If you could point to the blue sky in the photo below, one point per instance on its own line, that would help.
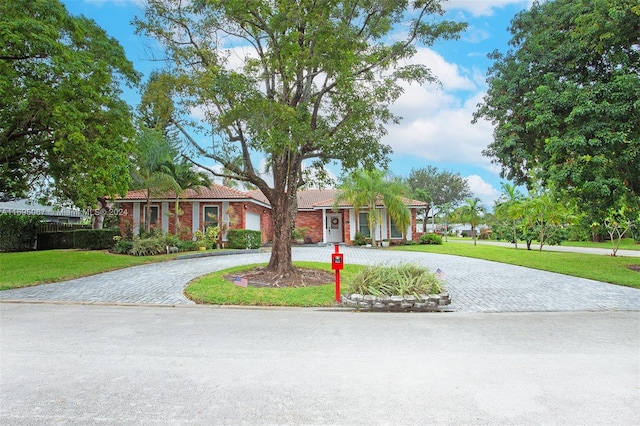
(436, 128)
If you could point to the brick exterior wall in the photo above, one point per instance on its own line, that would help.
(309, 219)
(313, 221)
(126, 218)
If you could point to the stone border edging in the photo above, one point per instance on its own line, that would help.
(431, 302)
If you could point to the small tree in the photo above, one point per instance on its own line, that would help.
(368, 189)
(510, 206)
(472, 212)
(183, 177)
(617, 223)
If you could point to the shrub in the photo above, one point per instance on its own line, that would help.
(410, 242)
(485, 234)
(122, 247)
(187, 245)
(359, 240)
(244, 239)
(94, 239)
(55, 240)
(148, 246)
(211, 236)
(430, 239)
(18, 232)
(403, 280)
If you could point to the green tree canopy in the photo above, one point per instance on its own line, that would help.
(437, 188)
(368, 189)
(472, 212)
(61, 117)
(564, 100)
(292, 80)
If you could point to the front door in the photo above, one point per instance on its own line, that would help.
(333, 226)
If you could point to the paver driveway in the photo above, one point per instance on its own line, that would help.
(475, 285)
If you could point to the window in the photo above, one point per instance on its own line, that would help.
(210, 216)
(395, 231)
(363, 225)
(155, 213)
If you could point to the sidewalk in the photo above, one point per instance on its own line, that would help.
(570, 249)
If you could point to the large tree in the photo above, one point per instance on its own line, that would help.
(437, 188)
(290, 80)
(564, 100)
(62, 122)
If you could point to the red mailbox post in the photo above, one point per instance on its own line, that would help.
(337, 264)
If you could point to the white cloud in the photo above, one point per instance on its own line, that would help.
(437, 124)
(481, 7)
(483, 190)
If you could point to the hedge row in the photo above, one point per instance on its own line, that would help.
(244, 239)
(18, 232)
(94, 239)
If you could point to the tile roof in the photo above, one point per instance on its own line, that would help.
(308, 199)
(212, 192)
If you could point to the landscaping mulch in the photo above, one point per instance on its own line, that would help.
(302, 277)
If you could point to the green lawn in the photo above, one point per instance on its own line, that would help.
(36, 267)
(596, 267)
(214, 289)
(625, 244)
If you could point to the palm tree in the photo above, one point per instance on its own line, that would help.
(183, 177)
(366, 188)
(153, 151)
(472, 213)
(510, 206)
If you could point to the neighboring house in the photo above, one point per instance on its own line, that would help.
(220, 205)
(51, 214)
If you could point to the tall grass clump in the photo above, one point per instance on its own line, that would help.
(402, 280)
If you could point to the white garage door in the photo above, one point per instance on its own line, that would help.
(253, 221)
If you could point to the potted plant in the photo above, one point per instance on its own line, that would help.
(298, 234)
(199, 239)
(386, 242)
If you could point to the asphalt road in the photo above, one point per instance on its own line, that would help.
(98, 364)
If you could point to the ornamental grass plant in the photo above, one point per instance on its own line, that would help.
(403, 280)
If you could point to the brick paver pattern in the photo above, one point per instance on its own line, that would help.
(475, 285)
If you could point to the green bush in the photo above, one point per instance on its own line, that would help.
(94, 239)
(430, 239)
(244, 239)
(148, 246)
(18, 232)
(410, 243)
(187, 245)
(359, 240)
(55, 240)
(403, 280)
(122, 247)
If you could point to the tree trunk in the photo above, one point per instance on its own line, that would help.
(515, 234)
(424, 220)
(473, 233)
(97, 219)
(283, 221)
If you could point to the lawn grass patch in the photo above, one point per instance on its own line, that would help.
(597, 267)
(625, 244)
(214, 289)
(25, 269)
